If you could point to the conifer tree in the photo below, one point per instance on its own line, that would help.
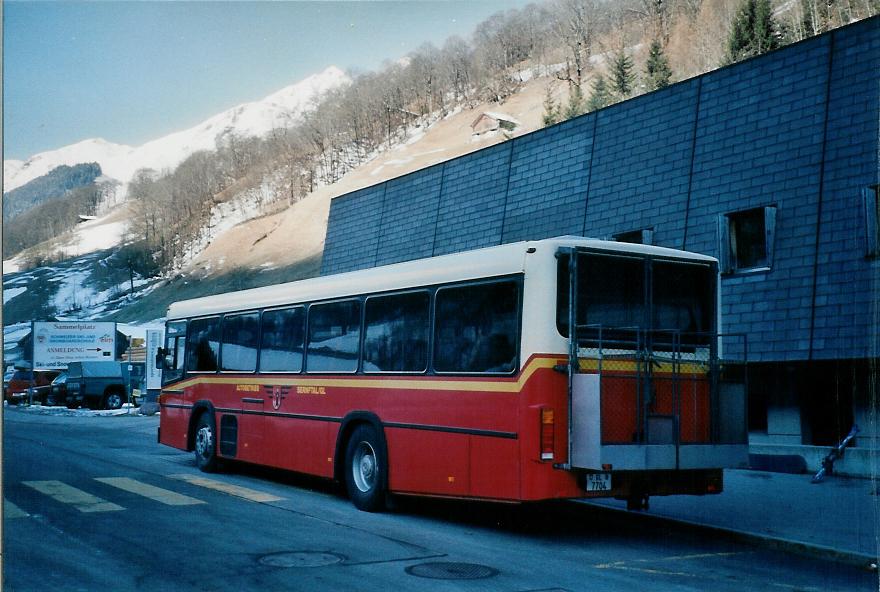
(739, 42)
(576, 104)
(622, 77)
(753, 31)
(657, 70)
(551, 108)
(601, 95)
(765, 28)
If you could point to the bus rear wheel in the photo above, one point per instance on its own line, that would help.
(365, 469)
(206, 443)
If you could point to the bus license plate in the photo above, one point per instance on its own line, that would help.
(598, 481)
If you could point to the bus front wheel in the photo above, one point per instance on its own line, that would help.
(206, 443)
(365, 469)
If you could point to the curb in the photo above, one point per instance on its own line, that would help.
(852, 558)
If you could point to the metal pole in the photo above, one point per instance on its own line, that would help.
(573, 361)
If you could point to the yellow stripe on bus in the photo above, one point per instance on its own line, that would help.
(164, 496)
(235, 490)
(497, 385)
(630, 365)
(82, 501)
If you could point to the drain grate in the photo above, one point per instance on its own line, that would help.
(301, 559)
(446, 570)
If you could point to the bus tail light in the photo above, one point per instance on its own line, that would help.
(547, 433)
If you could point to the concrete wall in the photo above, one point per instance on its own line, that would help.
(798, 129)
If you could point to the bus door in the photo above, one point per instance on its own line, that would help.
(251, 424)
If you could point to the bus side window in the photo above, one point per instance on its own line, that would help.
(476, 328)
(203, 345)
(281, 345)
(241, 333)
(396, 333)
(334, 336)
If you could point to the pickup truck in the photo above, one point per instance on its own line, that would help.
(100, 385)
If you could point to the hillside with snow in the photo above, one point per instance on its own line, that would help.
(120, 162)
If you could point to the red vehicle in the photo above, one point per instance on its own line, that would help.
(22, 380)
(459, 376)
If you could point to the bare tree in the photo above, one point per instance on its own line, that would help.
(576, 24)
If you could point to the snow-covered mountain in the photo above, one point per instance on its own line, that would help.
(120, 162)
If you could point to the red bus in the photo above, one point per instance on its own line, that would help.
(558, 368)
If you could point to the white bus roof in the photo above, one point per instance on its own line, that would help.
(487, 262)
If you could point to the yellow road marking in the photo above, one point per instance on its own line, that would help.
(82, 501)
(237, 491)
(158, 494)
(631, 565)
(10, 510)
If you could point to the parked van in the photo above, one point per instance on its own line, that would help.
(99, 385)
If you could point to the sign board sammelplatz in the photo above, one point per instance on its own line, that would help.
(57, 343)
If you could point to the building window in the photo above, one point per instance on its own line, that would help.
(746, 239)
(644, 236)
(871, 202)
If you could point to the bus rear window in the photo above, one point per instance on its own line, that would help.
(476, 328)
(615, 292)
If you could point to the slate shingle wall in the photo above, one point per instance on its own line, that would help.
(798, 129)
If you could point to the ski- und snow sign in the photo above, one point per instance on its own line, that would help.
(57, 343)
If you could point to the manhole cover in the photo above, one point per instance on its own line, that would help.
(442, 570)
(301, 559)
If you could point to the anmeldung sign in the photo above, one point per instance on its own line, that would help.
(57, 343)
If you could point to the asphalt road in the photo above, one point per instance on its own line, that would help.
(93, 503)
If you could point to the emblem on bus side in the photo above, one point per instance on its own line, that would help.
(278, 394)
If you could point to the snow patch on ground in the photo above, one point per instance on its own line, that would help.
(538, 72)
(96, 235)
(126, 409)
(12, 265)
(10, 293)
(242, 207)
(12, 334)
(415, 138)
(73, 294)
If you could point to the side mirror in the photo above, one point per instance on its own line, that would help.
(160, 358)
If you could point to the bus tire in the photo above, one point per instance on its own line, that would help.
(366, 468)
(205, 443)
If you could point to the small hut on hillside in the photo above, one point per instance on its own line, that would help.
(490, 121)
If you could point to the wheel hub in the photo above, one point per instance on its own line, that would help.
(204, 440)
(364, 467)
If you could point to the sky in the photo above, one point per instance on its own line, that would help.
(130, 72)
